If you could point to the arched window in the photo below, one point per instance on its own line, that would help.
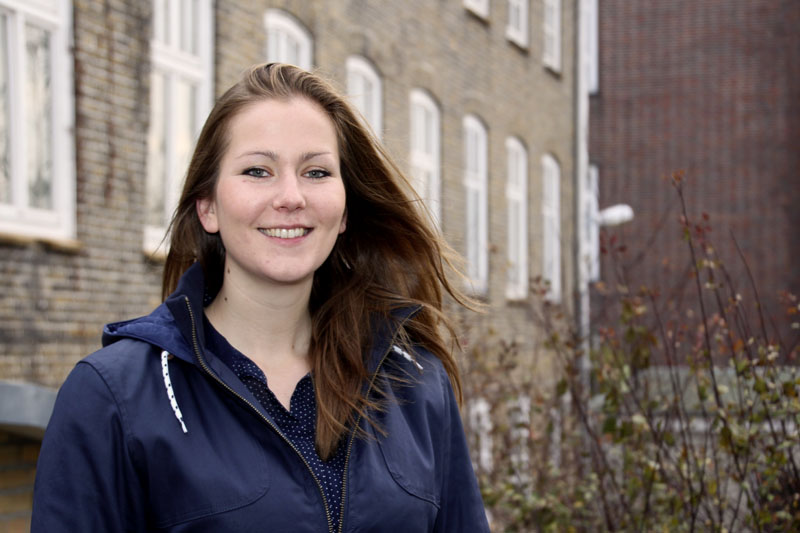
(517, 28)
(551, 226)
(181, 95)
(476, 185)
(425, 156)
(517, 201)
(288, 41)
(366, 91)
(552, 34)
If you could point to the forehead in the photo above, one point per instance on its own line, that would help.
(288, 116)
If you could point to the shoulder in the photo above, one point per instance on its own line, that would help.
(122, 360)
(126, 373)
(419, 379)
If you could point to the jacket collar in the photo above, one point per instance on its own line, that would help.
(177, 325)
(170, 326)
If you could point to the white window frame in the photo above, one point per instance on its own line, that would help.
(476, 185)
(517, 208)
(365, 88)
(17, 217)
(479, 7)
(177, 65)
(552, 35)
(551, 226)
(425, 124)
(517, 29)
(284, 31)
(480, 423)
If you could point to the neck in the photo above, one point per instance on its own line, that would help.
(271, 325)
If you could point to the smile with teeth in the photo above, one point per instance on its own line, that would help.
(283, 233)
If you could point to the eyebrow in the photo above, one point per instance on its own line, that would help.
(269, 154)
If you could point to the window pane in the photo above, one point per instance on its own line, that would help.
(473, 230)
(186, 94)
(5, 119)
(39, 118)
(429, 132)
(160, 21)
(189, 26)
(156, 151)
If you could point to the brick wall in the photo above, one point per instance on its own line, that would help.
(17, 470)
(712, 88)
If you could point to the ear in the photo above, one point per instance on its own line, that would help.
(206, 212)
(343, 223)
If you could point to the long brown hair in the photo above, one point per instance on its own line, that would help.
(388, 258)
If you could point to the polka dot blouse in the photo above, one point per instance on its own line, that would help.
(298, 423)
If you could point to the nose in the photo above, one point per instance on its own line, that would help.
(288, 194)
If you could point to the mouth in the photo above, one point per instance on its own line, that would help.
(285, 233)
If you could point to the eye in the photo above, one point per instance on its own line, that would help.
(256, 172)
(317, 173)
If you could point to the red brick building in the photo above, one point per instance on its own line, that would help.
(712, 88)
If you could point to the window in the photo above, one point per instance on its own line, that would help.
(517, 199)
(591, 232)
(480, 423)
(520, 420)
(37, 164)
(365, 90)
(551, 226)
(180, 98)
(426, 151)
(479, 7)
(552, 34)
(287, 40)
(476, 183)
(517, 29)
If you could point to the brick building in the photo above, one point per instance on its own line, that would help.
(100, 102)
(712, 88)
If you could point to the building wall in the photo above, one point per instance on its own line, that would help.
(56, 295)
(711, 88)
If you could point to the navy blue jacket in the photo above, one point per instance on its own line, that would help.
(115, 457)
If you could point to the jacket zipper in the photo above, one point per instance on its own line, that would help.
(265, 419)
(353, 431)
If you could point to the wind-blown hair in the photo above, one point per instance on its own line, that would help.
(389, 257)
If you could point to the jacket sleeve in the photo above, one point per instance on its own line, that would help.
(85, 479)
(462, 507)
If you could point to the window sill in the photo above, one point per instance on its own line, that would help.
(56, 244)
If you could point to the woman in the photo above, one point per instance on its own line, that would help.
(295, 378)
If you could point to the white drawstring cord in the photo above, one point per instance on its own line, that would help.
(168, 383)
(407, 355)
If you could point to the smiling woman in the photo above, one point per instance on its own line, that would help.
(296, 375)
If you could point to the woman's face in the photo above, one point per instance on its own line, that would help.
(279, 202)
